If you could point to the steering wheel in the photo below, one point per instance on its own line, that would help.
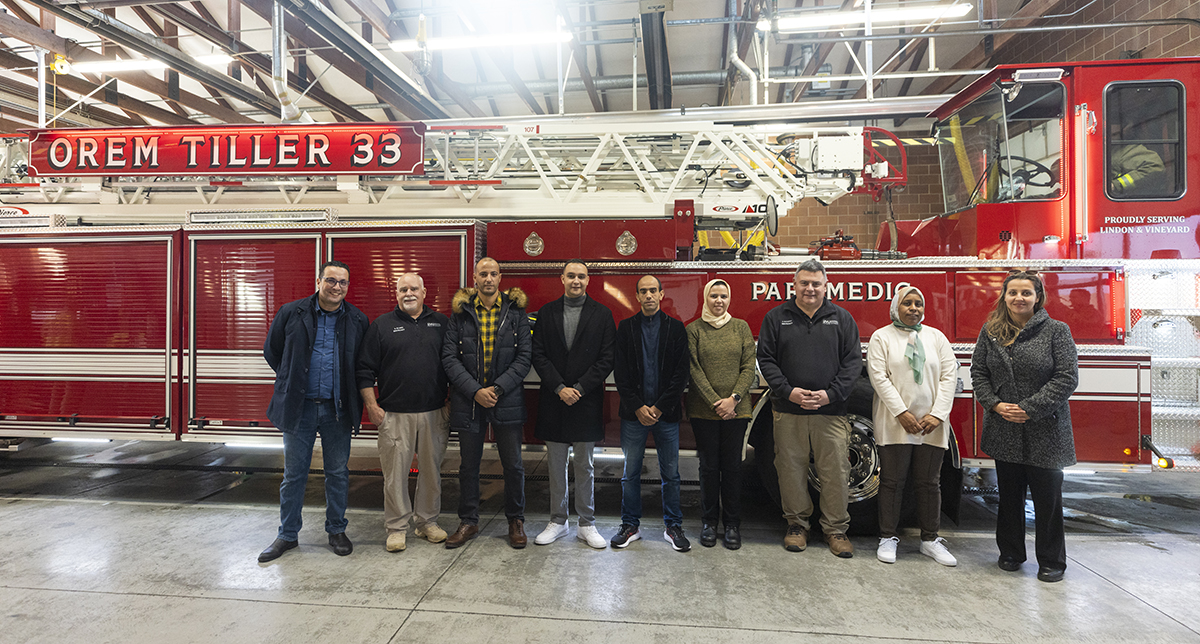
(1035, 170)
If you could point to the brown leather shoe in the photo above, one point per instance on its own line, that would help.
(796, 538)
(516, 533)
(463, 534)
(840, 545)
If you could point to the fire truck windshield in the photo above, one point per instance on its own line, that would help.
(1004, 146)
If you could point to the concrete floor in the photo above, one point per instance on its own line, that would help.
(100, 548)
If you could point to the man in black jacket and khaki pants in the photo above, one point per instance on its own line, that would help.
(809, 354)
(402, 352)
(573, 354)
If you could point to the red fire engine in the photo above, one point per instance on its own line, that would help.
(136, 302)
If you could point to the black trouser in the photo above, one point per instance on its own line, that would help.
(924, 464)
(1045, 488)
(720, 445)
(508, 443)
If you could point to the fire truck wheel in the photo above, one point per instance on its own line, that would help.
(864, 470)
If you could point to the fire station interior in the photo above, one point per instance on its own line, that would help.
(934, 143)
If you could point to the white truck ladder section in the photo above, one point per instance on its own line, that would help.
(499, 172)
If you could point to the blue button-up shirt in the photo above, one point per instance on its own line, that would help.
(650, 326)
(323, 366)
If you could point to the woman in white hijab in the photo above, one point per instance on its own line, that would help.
(718, 405)
(914, 373)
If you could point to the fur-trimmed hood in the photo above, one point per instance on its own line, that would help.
(464, 295)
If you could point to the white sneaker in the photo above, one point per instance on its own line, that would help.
(937, 550)
(553, 532)
(589, 534)
(887, 550)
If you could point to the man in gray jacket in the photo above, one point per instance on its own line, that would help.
(809, 354)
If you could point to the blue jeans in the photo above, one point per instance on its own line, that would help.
(633, 444)
(318, 418)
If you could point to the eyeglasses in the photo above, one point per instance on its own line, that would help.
(1026, 271)
(336, 282)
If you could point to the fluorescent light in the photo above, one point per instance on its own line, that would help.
(215, 60)
(71, 439)
(258, 445)
(607, 457)
(1034, 75)
(492, 40)
(839, 18)
(136, 64)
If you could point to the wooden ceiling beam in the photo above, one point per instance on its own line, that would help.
(82, 87)
(255, 62)
(25, 32)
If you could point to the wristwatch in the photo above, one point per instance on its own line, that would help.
(737, 398)
(499, 391)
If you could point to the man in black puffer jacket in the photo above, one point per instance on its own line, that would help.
(487, 353)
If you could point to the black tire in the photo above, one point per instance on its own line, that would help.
(864, 511)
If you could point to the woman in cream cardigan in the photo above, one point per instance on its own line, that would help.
(914, 373)
(718, 405)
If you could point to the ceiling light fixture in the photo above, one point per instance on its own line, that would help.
(131, 65)
(879, 17)
(480, 41)
(215, 60)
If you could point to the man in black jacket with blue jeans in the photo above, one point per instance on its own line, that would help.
(810, 356)
(312, 346)
(652, 367)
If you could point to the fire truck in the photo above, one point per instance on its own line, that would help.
(141, 267)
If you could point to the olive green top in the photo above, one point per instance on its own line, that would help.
(722, 364)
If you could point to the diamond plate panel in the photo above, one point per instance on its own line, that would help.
(1177, 436)
(1173, 336)
(1163, 289)
(1174, 386)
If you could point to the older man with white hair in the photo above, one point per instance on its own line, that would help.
(402, 352)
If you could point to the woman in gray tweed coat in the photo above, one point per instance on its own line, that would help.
(1024, 369)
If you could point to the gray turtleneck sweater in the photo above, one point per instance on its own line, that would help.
(573, 306)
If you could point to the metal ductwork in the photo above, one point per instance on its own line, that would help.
(339, 34)
(738, 62)
(288, 111)
(108, 27)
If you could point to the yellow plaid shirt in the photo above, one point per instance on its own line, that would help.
(488, 321)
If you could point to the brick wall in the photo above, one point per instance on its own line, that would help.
(859, 215)
(1108, 44)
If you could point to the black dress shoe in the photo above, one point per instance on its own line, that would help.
(276, 550)
(341, 544)
(708, 535)
(1050, 575)
(733, 537)
(1009, 563)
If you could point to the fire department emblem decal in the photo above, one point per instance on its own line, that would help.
(534, 245)
(626, 244)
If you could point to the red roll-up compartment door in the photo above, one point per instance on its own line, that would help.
(239, 280)
(86, 334)
(443, 257)
(237, 283)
